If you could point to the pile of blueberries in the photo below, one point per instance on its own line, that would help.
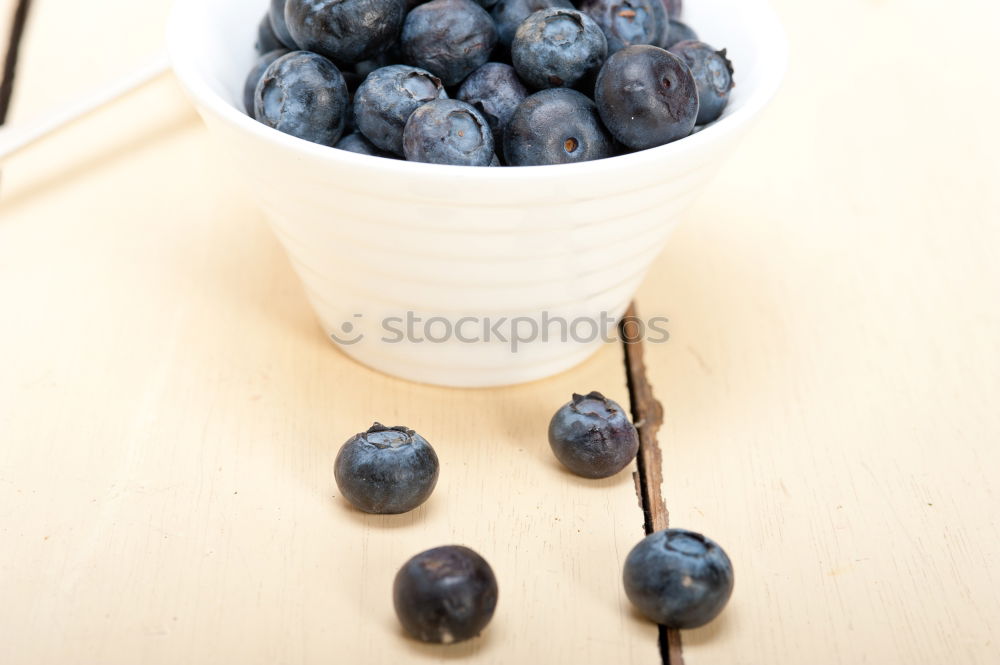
(675, 577)
(485, 82)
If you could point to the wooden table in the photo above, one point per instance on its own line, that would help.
(169, 412)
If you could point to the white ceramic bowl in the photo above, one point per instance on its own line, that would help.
(373, 238)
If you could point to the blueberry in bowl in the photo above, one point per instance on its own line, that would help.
(557, 47)
(495, 91)
(386, 99)
(647, 97)
(448, 131)
(628, 22)
(713, 74)
(345, 31)
(305, 95)
(508, 15)
(449, 38)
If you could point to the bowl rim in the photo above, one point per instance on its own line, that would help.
(770, 41)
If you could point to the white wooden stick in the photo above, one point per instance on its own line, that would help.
(17, 137)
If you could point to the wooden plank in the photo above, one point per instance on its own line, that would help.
(830, 387)
(170, 414)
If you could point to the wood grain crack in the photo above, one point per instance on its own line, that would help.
(647, 414)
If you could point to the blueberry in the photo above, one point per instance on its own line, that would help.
(557, 47)
(445, 595)
(592, 436)
(678, 578)
(713, 74)
(267, 41)
(556, 126)
(679, 32)
(628, 22)
(385, 100)
(277, 15)
(495, 91)
(674, 8)
(303, 94)
(253, 78)
(356, 142)
(449, 38)
(345, 30)
(495, 161)
(386, 470)
(646, 97)
(448, 131)
(508, 14)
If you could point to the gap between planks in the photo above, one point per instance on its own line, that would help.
(647, 414)
(10, 58)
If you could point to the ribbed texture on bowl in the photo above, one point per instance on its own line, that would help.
(374, 238)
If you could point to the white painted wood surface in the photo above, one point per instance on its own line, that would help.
(832, 383)
(170, 413)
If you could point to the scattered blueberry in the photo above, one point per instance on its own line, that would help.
(556, 126)
(445, 595)
(449, 38)
(495, 91)
(713, 74)
(345, 30)
(448, 131)
(679, 32)
(678, 578)
(628, 22)
(592, 436)
(267, 41)
(277, 15)
(253, 78)
(385, 100)
(303, 94)
(557, 47)
(508, 14)
(647, 97)
(386, 470)
(356, 142)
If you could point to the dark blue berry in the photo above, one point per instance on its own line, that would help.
(356, 142)
(267, 41)
(303, 94)
(593, 437)
(713, 74)
(674, 8)
(345, 30)
(448, 131)
(679, 32)
(556, 126)
(385, 100)
(253, 78)
(445, 595)
(495, 91)
(508, 14)
(628, 22)
(557, 47)
(449, 38)
(386, 470)
(678, 578)
(647, 97)
(277, 15)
